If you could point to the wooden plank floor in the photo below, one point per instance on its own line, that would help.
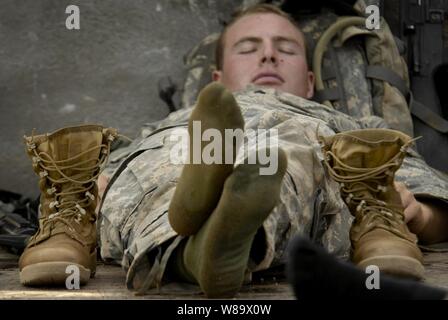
(109, 284)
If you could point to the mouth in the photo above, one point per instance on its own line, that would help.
(266, 78)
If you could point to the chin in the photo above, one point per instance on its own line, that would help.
(281, 88)
(273, 86)
(291, 91)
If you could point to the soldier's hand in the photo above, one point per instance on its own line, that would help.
(428, 219)
(413, 209)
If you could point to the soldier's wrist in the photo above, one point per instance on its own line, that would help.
(431, 231)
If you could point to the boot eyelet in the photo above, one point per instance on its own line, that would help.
(51, 191)
(361, 206)
(349, 198)
(31, 146)
(90, 196)
(43, 174)
(53, 204)
(81, 210)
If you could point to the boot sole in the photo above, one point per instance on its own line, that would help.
(404, 267)
(52, 274)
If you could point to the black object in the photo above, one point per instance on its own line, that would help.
(167, 90)
(315, 274)
(18, 220)
(423, 26)
(340, 7)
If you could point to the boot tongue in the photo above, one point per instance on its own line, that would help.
(360, 154)
(367, 149)
(68, 144)
(74, 148)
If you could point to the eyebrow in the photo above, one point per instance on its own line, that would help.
(258, 40)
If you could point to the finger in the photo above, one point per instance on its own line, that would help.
(401, 189)
(411, 211)
(399, 185)
(407, 197)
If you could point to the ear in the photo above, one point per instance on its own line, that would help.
(217, 75)
(310, 90)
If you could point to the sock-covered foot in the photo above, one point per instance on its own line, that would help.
(218, 254)
(315, 274)
(200, 185)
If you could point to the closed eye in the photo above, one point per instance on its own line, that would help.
(247, 51)
(247, 45)
(287, 51)
(287, 47)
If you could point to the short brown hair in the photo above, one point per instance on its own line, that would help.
(259, 8)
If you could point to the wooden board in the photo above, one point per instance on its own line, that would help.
(109, 284)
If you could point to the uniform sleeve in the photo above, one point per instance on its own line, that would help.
(422, 180)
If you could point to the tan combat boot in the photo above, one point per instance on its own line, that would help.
(68, 162)
(365, 162)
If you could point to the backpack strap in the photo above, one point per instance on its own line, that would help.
(390, 82)
(419, 110)
(385, 74)
(428, 116)
(334, 94)
(329, 94)
(321, 48)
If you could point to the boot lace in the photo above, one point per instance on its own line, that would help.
(355, 181)
(71, 203)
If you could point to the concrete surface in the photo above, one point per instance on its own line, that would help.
(106, 72)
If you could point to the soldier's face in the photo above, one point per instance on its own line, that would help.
(267, 50)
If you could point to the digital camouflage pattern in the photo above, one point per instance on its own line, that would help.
(200, 65)
(344, 65)
(134, 226)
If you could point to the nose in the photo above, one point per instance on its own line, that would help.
(269, 55)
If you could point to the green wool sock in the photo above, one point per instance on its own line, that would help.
(218, 254)
(200, 185)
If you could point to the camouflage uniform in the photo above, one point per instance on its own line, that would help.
(134, 226)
